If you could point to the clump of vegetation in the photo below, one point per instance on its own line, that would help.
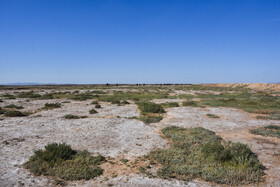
(270, 130)
(124, 160)
(1, 101)
(191, 103)
(60, 160)
(49, 106)
(148, 107)
(94, 102)
(83, 96)
(98, 106)
(70, 116)
(47, 96)
(2, 111)
(29, 94)
(212, 116)
(150, 112)
(200, 153)
(150, 118)
(170, 105)
(14, 106)
(259, 103)
(9, 96)
(125, 102)
(15, 113)
(92, 111)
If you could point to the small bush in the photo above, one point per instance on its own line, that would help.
(190, 103)
(92, 111)
(61, 161)
(98, 106)
(51, 106)
(270, 130)
(14, 113)
(2, 111)
(1, 101)
(94, 102)
(125, 102)
(47, 96)
(14, 106)
(212, 116)
(148, 107)
(70, 116)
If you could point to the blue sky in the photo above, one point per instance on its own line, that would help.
(139, 41)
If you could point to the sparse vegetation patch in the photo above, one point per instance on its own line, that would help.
(15, 113)
(200, 153)
(14, 106)
(92, 111)
(60, 160)
(49, 106)
(270, 130)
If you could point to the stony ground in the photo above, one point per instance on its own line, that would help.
(112, 133)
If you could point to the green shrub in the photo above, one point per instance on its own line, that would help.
(148, 107)
(212, 116)
(14, 113)
(2, 111)
(270, 130)
(200, 153)
(125, 102)
(92, 111)
(98, 106)
(51, 106)
(190, 103)
(94, 102)
(14, 106)
(61, 161)
(70, 116)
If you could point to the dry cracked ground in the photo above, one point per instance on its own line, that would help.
(113, 132)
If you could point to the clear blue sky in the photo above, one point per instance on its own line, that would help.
(139, 41)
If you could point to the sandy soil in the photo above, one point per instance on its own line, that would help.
(111, 133)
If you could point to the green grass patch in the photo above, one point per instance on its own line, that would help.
(9, 96)
(60, 160)
(212, 116)
(200, 153)
(124, 161)
(150, 118)
(94, 102)
(270, 130)
(13, 106)
(49, 106)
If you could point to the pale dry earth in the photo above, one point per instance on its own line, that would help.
(110, 132)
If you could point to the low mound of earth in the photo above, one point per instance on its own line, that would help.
(253, 86)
